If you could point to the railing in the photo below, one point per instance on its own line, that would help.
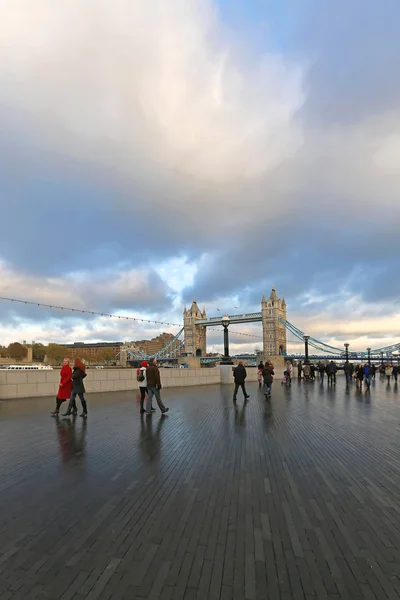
(249, 317)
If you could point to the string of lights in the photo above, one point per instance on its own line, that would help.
(89, 312)
(111, 316)
(233, 332)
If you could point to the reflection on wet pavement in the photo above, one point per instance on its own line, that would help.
(294, 498)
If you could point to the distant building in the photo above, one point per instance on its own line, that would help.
(90, 351)
(151, 347)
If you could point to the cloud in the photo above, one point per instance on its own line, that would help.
(129, 291)
(139, 138)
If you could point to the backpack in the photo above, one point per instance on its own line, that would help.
(140, 375)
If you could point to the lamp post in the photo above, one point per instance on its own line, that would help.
(347, 351)
(369, 356)
(382, 358)
(306, 338)
(225, 324)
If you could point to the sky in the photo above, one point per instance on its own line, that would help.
(156, 152)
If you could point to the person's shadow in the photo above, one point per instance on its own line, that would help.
(150, 436)
(240, 420)
(72, 440)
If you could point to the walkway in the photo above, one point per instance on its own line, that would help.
(299, 499)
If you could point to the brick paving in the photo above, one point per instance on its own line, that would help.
(296, 499)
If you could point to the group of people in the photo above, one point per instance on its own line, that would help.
(366, 373)
(71, 386)
(361, 373)
(265, 375)
(148, 376)
(308, 371)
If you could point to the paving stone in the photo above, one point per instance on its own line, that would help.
(298, 498)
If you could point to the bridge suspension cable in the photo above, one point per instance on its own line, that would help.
(174, 346)
(331, 349)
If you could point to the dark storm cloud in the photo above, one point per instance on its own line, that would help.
(274, 187)
(309, 252)
(354, 48)
(61, 215)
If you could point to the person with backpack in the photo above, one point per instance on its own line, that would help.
(268, 376)
(142, 379)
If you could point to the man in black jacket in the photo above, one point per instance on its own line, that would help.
(154, 387)
(239, 375)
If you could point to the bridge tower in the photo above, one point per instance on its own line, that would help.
(274, 332)
(195, 337)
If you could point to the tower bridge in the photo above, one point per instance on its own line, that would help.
(272, 316)
(274, 334)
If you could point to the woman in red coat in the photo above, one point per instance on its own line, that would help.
(65, 388)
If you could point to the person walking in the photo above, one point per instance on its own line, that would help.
(78, 389)
(65, 387)
(367, 375)
(141, 377)
(259, 373)
(359, 376)
(239, 376)
(299, 369)
(268, 376)
(321, 369)
(331, 370)
(153, 387)
(289, 370)
(388, 372)
(373, 371)
(395, 372)
(347, 371)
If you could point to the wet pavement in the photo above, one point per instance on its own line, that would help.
(294, 499)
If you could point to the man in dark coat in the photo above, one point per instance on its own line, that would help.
(154, 387)
(299, 369)
(331, 370)
(239, 375)
(268, 376)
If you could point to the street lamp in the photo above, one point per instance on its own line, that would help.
(347, 351)
(369, 356)
(225, 324)
(306, 338)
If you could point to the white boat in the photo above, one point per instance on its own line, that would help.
(27, 368)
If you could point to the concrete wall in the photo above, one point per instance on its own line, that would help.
(30, 384)
(33, 384)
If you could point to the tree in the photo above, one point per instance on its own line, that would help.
(55, 353)
(105, 355)
(38, 352)
(17, 351)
